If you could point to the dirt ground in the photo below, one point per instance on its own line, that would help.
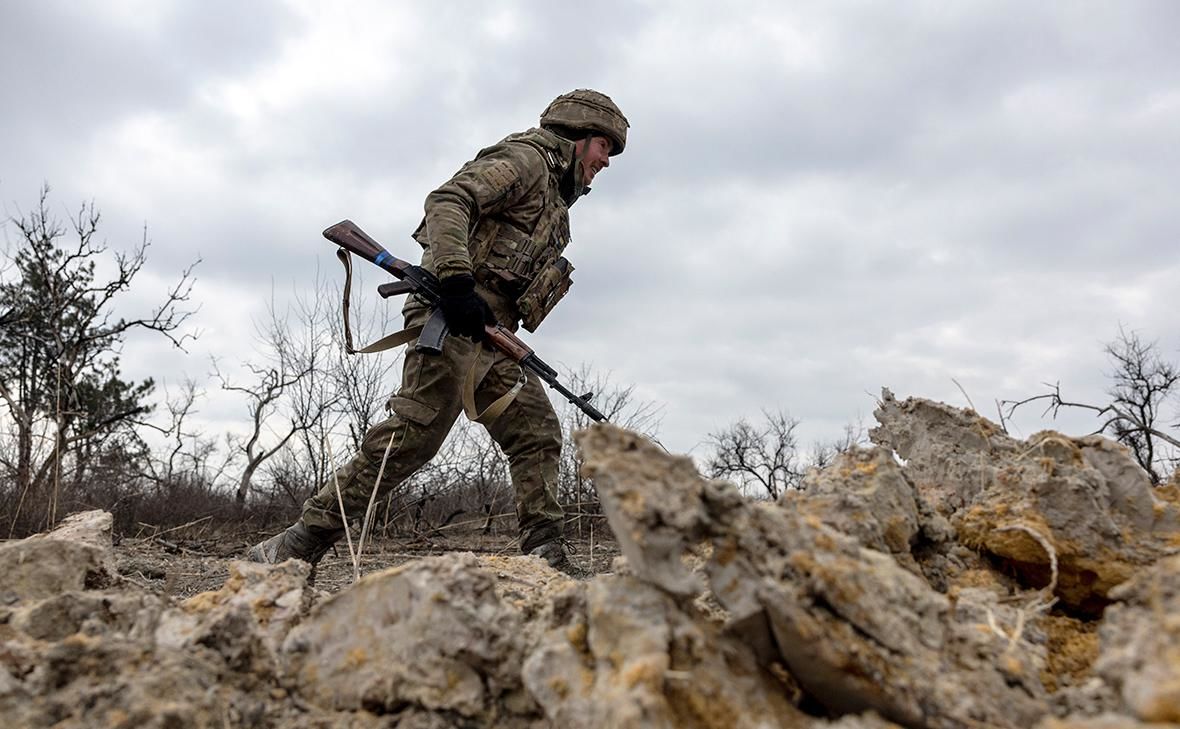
(188, 562)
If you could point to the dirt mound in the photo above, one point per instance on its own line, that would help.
(949, 577)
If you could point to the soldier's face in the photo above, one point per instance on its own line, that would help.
(597, 156)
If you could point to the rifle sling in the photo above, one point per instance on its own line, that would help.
(409, 334)
(497, 408)
(389, 341)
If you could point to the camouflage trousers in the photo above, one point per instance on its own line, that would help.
(422, 414)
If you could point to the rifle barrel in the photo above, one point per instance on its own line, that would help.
(577, 400)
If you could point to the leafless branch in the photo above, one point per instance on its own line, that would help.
(765, 455)
(1142, 382)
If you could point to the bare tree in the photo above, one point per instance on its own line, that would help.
(262, 402)
(282, 399)
(182, 453)
(59, 353)
(824, 452)
(316, 399)
(764, 457)
(1142, 383)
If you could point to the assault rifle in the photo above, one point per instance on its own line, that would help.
(417, 280)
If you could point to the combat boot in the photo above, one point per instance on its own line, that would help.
(546, 541)
(296, 541)
(556, 555)
(553, 553)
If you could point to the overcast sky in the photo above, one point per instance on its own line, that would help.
(817, 199)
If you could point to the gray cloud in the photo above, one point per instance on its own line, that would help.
(72, 68)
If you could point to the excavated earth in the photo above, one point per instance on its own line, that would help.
(947, 577)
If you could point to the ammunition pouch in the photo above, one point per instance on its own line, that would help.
(526, 269)
(546, 289)
(508, 258)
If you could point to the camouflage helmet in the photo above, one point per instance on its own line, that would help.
(588, 110)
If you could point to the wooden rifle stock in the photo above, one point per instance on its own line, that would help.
(351, 238)
(504, 340)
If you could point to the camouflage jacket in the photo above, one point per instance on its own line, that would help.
(503, 219)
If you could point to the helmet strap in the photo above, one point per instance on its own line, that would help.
(579, 187)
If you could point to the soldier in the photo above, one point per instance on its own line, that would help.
(493, 234)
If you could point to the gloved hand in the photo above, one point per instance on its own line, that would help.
(465, 311)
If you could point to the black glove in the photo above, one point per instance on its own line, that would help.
(465, 311)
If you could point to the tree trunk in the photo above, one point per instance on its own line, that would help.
(244, 484)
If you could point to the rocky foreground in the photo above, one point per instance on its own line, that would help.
(987, 582)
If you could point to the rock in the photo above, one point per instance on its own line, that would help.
(246, 620)
(91, 613)
(856, 630)
(85, 681)
(654, 529)
(269, 599)
(75, 556)
(864, 721)
(859, 632)
(91, 658)
(625, 654)
(948, 451)
(1082, 506)
(85, 527)
(1140, 643)
(1106, 721)
(865, 494)
(529, 587)
(431, 633)
(1093, 698)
